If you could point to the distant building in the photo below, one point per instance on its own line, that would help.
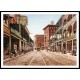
(39, 41)
(48, 31)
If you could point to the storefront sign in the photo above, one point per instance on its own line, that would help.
(23, 20)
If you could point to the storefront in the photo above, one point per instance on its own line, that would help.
(6, 46)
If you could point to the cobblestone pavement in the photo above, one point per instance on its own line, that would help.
(42, 58)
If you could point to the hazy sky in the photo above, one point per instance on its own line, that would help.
(36, 22)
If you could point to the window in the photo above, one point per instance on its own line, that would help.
(69, 17)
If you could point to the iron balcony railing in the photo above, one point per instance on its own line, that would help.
(70, 37)
(69, 22)
(15, 32)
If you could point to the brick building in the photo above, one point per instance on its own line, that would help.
(48, 31)
(39, 41)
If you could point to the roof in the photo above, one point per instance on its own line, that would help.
(49, 26)
(38, 35)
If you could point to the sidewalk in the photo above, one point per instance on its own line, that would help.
(12, 58)
(68, 56)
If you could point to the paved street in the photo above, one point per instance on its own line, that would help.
(42, 58)
(20, 37)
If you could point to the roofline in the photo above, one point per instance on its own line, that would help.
(39, 35)
(48, 26)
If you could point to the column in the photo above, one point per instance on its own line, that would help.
(66, 46)
(19, 39)
(10, 46)
(72, 45)
(72, 35)
(72, 29)
(19, 46)
(61, 46)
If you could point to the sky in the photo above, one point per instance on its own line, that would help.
(36, 22)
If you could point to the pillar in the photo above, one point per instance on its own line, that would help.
(19, 46)
(20, 39)
(10, 46)
(62, 46)
(66, 46)
(72, 45)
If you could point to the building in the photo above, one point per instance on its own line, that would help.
(39, 41)
(6, 36)
(48, 31)
(16, 35)
(65, 35)
(55, 38)
(69, 32)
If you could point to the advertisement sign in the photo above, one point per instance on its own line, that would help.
(23, 20)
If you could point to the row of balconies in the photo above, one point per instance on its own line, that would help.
(69, 36)
(65, 36)
(15, 32)
(69, 22)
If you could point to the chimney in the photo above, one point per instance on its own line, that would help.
(52, 22)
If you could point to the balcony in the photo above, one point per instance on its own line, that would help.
(7, 30)
(69, 22)
(15, 32)
(69, 36)
(58, 36)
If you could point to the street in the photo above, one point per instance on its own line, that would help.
(42, 58)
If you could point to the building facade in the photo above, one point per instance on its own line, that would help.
(65, 35)
(48, 31)
(39, 41)
(16, 35)
(6, 35)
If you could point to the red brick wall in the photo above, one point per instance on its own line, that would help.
(47, 33)
(39, 41)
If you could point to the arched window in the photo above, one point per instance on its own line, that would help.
(64, 22)
(69, 28)
(74, 27)
(69, 17)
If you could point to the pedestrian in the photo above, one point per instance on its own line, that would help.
(74, 51)
(64, 51)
